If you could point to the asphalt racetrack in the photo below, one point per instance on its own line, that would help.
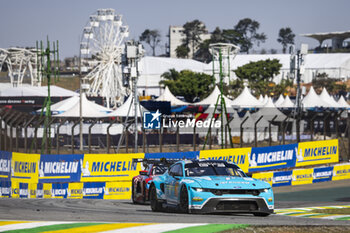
(322, 194)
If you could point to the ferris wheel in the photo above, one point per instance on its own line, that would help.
(20, 63)
(101, 49)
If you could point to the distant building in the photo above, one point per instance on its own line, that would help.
(176, 37)
(337, 38)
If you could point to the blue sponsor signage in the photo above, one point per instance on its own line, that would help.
(40, 190)
(173, 155)
(283, 178)
(321, 174)
(5, 165)
(94, 190)
(272, 157)
(23, 190)
(59, 190)
(5, 188)
(60, 168)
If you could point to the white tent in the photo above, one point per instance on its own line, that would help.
(263, 127)
(212, 98)
(55, 91)
(279, 100)
(246, 100)
(124, 108)
(287, 103)
(343, 103)
(261, 98)
(328, 99)
(89, 110)
(211, 108)
(248, 128)
(312, 100)
(266, 98)
(269, 111)
(63, 105)
(168, 96)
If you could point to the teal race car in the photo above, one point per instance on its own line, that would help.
(210, 186)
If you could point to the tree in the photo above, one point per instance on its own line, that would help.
(192, 31)
(188, 83)
(182, 51)
(263, 70)
(203, 54)
(152, 38)
(259, 75)
(246, 32)
(285, 37)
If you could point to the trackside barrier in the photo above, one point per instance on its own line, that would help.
(305, 176)
(109, 175)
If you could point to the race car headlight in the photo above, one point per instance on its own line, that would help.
(265, 190)
(198, 189)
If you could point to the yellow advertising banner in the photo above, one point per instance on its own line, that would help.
(32, 190)
(75, 190)
(239, 156)
(302, 176)
(109, 167)
(264, 176)
(47, 187)
(341, 172)
(15, 189)
(317, 152)
(24, 167)
(117, 190)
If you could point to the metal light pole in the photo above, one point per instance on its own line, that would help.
(300, 61)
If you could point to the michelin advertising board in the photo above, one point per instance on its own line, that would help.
(5, 165)
(60, 168)
(238, 156)
(109, 167)
(272, 157)
(317, 152)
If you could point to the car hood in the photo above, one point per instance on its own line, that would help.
(227, 182)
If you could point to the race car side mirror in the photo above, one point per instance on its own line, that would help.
(143, 173)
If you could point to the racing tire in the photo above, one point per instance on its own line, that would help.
(183, 206)
(261, 214)
(133, 198)
(144, 193)
(156, 206)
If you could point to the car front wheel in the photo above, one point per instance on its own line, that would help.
(156, 206)
(183, 200)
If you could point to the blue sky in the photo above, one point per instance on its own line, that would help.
(23, 22)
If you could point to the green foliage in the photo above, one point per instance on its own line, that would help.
(333, 85)
(282, 87)
(263, 70)
(234, 88)
(285, 37)
(246, 30)
(259, 76)
(192, 31)
(152, 38)
(203, 53)
(188, 84)
(182, 51)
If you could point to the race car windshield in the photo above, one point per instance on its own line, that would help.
(159, 170)
(213, 169)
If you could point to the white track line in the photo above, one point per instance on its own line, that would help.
(18, 226)
(156, 228)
